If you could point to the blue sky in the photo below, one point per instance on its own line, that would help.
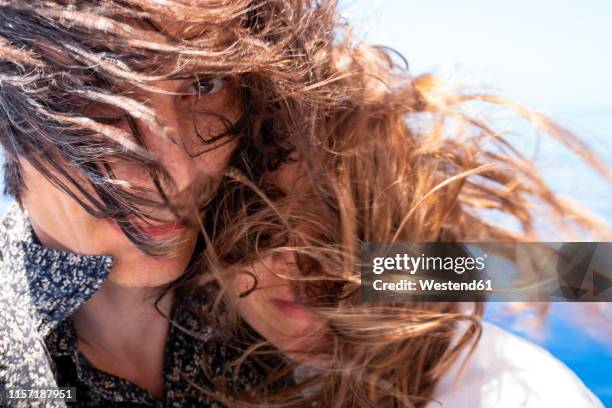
(547, 53)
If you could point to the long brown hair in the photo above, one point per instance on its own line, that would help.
(382, 162)
(388, 157)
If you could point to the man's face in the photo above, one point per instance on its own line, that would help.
(61, 223)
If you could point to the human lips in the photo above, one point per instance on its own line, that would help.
(292, 309)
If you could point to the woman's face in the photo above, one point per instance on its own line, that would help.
(61, 223)
(273, 309)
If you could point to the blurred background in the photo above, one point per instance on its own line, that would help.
(549, 55)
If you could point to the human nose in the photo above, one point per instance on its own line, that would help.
(168, 147)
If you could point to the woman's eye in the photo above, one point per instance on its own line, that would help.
(208, 86)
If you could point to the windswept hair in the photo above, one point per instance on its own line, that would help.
(62, 62)
(388, 157)
(383, 156)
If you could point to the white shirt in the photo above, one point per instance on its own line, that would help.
(506, 371)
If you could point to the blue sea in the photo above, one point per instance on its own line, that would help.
(568, 333)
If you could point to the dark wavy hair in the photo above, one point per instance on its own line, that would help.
(382, 159)
(60, 58)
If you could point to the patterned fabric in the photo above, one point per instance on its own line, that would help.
(194, 351)
(39, 290)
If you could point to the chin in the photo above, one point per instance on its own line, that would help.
(140, 270)
(131, 280)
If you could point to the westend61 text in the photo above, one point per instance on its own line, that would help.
(433, 285)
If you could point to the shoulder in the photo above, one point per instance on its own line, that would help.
(13, 284)
(506, 371)
(15, 301)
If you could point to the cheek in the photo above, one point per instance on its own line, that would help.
(59, 220)
(131, 172)
(83, 233)
(258, 311)
(214, 162)
(251, 306)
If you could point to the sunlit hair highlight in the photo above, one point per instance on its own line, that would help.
(382, 155)
(388, 157)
